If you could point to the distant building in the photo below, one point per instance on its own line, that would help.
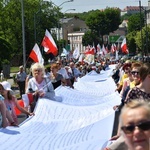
(130, 10)
(75, 40)
(148, 12)
(71, 30)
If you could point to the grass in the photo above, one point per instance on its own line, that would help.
(14, 69)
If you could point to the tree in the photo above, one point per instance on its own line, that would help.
(103, 22)
(144, 41)
(131, 42)
(89, 38)
(11, 23)
(135, 22)
(5, 52)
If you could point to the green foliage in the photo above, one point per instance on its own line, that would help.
(89, 38)
(131, 42)
(125, 17)
(37, 15)
(82, 16)
(5, 52)
(103, 22)
(143, 43)
(135, 22)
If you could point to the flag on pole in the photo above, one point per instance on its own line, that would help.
(27, 99)
(116, 55)
(76, 53)
(89, 58)
(98, 49)
(49, 44)
(36, 54)
(112, 48)
(104, 50)
(65, 52)
(80, 58)
(91, 51)
(124, 46)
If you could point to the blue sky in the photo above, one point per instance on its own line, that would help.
(86, 5)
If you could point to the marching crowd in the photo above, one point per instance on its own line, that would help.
(133, 84)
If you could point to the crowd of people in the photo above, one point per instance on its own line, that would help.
(134, 87)
(132, 80)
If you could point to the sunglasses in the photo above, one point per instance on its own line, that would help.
(134, 72)
(142, 126)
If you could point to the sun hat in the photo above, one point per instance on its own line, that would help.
(6, 85)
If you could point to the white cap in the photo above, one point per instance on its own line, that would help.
(6, 85)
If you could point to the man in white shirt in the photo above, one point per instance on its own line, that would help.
(21, 78)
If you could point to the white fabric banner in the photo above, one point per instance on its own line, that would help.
(82, 121)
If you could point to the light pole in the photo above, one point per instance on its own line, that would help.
(23, 34)
(69, 10)
(141, 25)
(62, 3)
(58, 22)
(35, 25)
(65, 32)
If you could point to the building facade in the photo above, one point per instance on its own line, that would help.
(75, 40)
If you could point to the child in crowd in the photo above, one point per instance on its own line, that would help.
(11, 101)
(6, 118)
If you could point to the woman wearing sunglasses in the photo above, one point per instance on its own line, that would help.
(141, 91)
(135, 125)
(136, 75)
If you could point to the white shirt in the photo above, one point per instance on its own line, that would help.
(64, 73)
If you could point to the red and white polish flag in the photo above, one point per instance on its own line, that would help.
(49, 44)
(27, 99)
(36, 54)
(124, 46)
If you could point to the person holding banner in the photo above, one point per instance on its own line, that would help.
(55, 77)
(38, 85)
(11, 101)
(141, 92)
(5, 116)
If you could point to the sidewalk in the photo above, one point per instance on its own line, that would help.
(11, 81)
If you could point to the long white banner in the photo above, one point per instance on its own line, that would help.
(82, 121)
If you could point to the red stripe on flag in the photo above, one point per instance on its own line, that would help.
(33, 55)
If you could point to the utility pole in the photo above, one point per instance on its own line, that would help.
(141, 26)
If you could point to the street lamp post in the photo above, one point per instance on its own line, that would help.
(141, 25)
(69, 10)
(58, 22)
(63, 26)
(23, 34)
(35, 33)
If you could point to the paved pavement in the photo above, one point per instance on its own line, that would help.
(11, 81)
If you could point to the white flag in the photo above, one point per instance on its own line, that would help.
(76, 53)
